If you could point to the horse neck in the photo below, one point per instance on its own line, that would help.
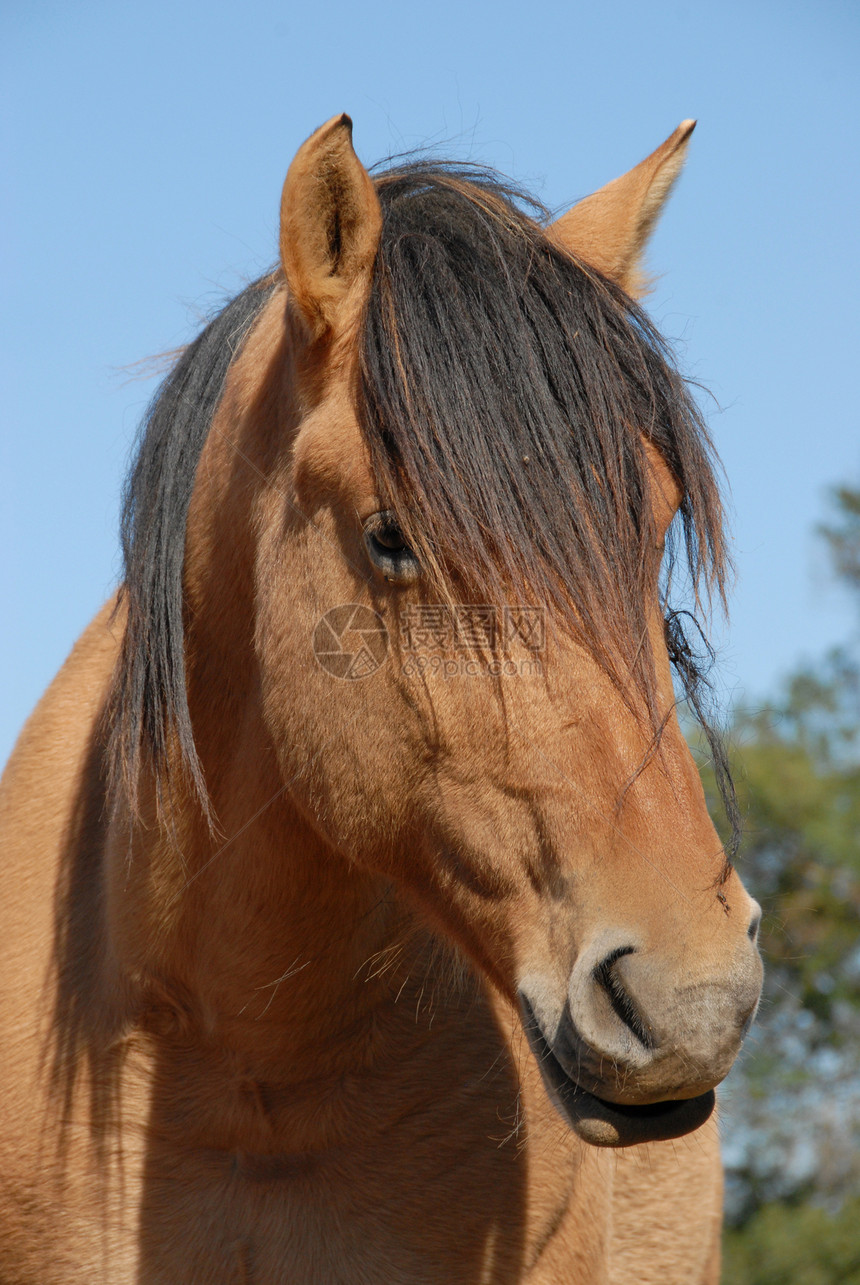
(261, 939)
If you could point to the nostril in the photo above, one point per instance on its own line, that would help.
(752, 931)
(606, 976)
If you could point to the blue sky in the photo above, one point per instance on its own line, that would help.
(144, 149)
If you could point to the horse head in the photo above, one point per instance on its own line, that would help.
(484, 430)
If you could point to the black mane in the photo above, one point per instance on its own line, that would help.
(150, 702)
(507, 388)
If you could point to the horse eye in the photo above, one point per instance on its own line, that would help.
(387, 549)
(390, 537)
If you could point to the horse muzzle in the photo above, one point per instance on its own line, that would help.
(627, 1059)
(604, 1123)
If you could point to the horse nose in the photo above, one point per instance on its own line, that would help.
(616, 978)
(641, 1028)
(606, 976)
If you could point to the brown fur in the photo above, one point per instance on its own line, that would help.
(292, 1051)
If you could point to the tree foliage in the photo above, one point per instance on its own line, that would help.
(843, 535)
(798, 780)
(791, 1110)
(787, 1244)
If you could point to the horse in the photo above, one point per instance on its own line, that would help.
(363, 919)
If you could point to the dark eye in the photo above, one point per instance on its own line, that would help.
(387, 549)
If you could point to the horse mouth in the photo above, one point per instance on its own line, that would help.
(611, 1124)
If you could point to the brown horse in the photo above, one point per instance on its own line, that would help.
(362, 918)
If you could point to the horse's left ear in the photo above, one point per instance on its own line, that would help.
(609, 229)
(330, 226)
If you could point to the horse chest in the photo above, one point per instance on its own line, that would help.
(331, 1229)
(416, 1207)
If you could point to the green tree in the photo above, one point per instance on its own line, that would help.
(786, 1244)
(844, 535)
(791, 1117)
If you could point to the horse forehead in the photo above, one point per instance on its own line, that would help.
(331, 459)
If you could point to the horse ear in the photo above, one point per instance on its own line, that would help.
(330, 226)
(609, 229)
